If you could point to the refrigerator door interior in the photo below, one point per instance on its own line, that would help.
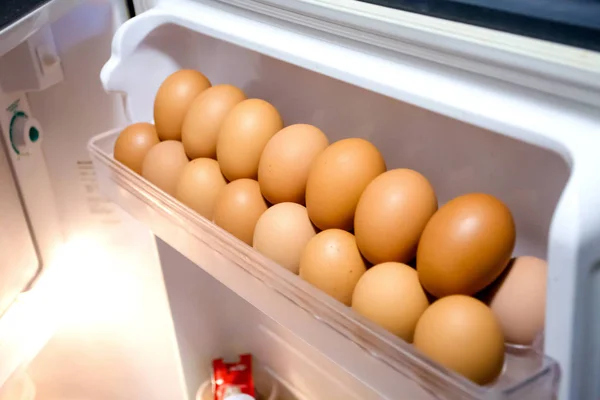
(465, 131)
(139, 317)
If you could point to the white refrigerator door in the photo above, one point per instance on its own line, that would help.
(534, 92)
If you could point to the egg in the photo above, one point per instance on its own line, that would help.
(462, 334)
(332, 263)
(390, 295)
(243, 136)
(282, 232)
(199, 184)
(336, 180)
(466, 245)
(518, 299)
(238, 208)
(174, 97)
(164, 164)
(133, 144)
(391, 215)
(204, 118)
(286, 160)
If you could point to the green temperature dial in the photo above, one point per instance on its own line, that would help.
(22, 131)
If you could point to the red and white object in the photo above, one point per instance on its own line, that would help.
(232, 378)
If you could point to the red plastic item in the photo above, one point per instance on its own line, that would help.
(231, 378)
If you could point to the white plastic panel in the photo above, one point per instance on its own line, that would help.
(211, 322)
(19, 263)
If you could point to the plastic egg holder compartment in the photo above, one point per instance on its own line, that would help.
(456, 157)
(189, 232)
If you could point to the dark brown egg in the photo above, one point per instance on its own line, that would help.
(332, 263)
(133, 144)
(336, 180)
(238, 208)
(164, 164)
(391, 215)
(466, 245)
(199, 186)
(286, 160)
(243, 136)
(462, 334)
(173, 100)
(204, 118)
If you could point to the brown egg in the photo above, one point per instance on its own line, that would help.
(133, 144)
(518, 299)
(243, 137)
(331, 262)
(286, 160)
(391, 215)
(199, 185)
(238, 208)
(163, 165)
(204, 118)
(462, 334)
(390, 295)
(173, 99)
(282, 233)
(336, 180)
(466, 245)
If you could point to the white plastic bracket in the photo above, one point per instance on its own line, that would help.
(33, 65)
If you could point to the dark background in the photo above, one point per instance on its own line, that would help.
(572, 22)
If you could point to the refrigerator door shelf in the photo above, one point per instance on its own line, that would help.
(466, 132)
(363, 349)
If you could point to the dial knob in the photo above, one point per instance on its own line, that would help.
(24, 131)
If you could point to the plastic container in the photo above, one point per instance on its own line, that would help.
(464, 131)
(267, 386)
(234, 263)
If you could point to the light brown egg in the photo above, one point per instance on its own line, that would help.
(331, 262)
(462, 334)
(133, 144)
(238, 208)
(173, 99)
(243, 137)
(163, 165)
(390, 295)
(336, 180)
(200, 183)
(518, 299)
(282, 232)
(204, 118)
(465, 245)
(286, 160)
(391, 215)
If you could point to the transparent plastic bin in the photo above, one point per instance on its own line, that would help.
(463, 131)
(527, 373)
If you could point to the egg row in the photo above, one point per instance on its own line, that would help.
(460, 249)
